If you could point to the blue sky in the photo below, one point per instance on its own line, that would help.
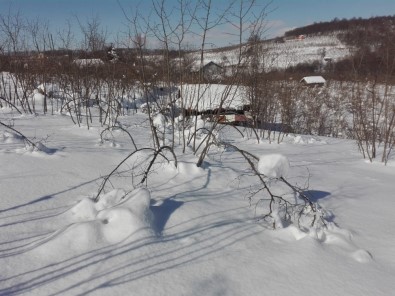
(297, 13)
(284, 15)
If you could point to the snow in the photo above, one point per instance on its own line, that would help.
(211, 96)
(286, 54)
(186, 230)
(313, 79)
(159, 121)
(273, 165)
(88, 62)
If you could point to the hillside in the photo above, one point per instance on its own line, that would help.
(341, 42)
(379, 24)
(287, 53)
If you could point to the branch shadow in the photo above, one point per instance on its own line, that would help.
(163, 212)
(217, 235)
(316, 195)
(49, 196)
(213, 236)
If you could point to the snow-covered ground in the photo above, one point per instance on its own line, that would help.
(280, 55)
(188, 230)
(308, 50)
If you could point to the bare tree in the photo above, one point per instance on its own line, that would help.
(66, 36)
(205, 23)
(373, 110)
(12, 26)
(171, 28)
(138, 29)
(243, 18)
(94, 36)
(41, 37)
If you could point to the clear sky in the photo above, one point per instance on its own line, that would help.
(290, 14)
(284, 14)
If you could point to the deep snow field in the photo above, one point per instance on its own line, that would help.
(190, 231)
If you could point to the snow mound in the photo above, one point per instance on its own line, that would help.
(110, 199)
(115, 217)
(273, 165)
(200, 124)
(303, 140)
(338, 239)
(119, 223)
(107, 142)
(10, 138)
(37, 98)
(341, 239)
(40, 148)
(189, 169)
(361, 256)
(290, 233)
(69, 241)
(159, 121)
(13, 138)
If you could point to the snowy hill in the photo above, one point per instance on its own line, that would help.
(288, 52)
(306, 50)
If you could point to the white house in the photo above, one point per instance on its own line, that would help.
(88, 62)
(313, 81)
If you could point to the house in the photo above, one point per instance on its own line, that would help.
(82, 63)
(211, 70)
(313, 81)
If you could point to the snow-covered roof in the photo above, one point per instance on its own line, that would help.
(195, 66)
(88, 62)
(313, 80)
(212, 96)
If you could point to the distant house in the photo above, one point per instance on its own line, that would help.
(313, 81)
(210, 70)
(82, 63)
